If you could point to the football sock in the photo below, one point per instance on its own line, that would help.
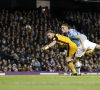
(78, 66)
(78, 70)
(71, 65)
(89, 52)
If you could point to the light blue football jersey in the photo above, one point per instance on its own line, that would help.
(72, 33)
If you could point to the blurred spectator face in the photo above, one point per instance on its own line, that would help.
(5, 69)
(37, 55)
(9, 66)
(42, 55)
(19, 65)
(8, 60)
(28, 58)
(36, 69)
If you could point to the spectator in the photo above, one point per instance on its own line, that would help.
(37, 65)
(22, 36)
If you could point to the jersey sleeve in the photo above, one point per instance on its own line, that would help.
(73, 33)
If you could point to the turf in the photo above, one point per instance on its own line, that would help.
(50, 82)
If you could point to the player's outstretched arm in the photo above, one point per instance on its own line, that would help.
(48, 46)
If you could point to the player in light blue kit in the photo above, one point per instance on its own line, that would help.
(82, 42)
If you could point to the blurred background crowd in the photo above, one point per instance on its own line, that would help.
(22, 34)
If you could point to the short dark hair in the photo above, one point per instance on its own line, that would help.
(65, 24)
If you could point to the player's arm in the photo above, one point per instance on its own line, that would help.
(50, 45)
(74, 34)
(81, 40)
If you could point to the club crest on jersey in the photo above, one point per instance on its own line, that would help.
(69, 33)
(54, 38)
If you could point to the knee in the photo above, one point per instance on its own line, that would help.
(97, 46)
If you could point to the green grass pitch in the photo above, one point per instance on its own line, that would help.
(50, 82)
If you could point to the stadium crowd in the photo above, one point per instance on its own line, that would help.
(22, 34)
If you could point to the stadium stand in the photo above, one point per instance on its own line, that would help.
(22, 34)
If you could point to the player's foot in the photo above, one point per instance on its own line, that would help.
(75, 74)
(78, 74)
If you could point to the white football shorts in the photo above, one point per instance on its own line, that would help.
(88, 45)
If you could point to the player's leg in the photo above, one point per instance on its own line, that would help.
(93, 46)
(70, 53)
(70, 64)
(88, 53)
(78, 55)
(97, 47)
(77, 65)
(88, 45)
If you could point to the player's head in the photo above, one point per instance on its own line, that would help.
(64, 28)
(50, 34)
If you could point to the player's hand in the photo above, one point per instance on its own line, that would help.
(45, 47)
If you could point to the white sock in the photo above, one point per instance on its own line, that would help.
(78, 67)
(78, 70)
